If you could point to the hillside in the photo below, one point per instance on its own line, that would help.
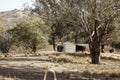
(10, 18)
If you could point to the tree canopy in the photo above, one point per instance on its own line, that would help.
(31, 33)
(94, 18)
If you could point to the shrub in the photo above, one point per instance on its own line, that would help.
(116, 45)
(32, 33)
(5, 42)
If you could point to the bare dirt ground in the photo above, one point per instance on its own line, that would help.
(68, 66)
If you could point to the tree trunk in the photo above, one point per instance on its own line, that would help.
(95, 54)
(76, 38)
(53, 42)
(95, 41)
(102, 48)
(95, 57)
(34, 47)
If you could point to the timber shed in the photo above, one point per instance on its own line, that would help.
(69, 47)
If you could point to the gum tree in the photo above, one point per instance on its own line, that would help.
(5, 38)
(31, 33)
(52, 13)
(94, 18)
(98, 21)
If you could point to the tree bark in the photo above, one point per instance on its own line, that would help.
(53, 42)
(95, 57)
(95, 53)
(102, 48)
(76, 38)
(34, 47)
(95, 40)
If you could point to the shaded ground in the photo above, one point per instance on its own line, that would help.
(28, 74)
(67, 67)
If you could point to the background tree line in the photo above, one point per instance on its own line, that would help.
(95, 22)
(31, 33)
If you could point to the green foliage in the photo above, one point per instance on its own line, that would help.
(59, 19)
(69, 17)
(5, 38)
(31, 33)
(116, 45)
(94, 18)
(5, 42)
(115, 39)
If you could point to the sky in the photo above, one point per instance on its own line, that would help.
(6, 5)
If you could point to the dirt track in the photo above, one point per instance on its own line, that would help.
(33, 68)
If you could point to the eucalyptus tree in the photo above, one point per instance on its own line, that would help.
(55, 13)
(115, 39)
(32, 33)
(94, 18)
(5, 38)
(97, 21)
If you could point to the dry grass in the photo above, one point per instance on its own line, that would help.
(70, 58)
(109, 67)
(9, 78)
(76, 63)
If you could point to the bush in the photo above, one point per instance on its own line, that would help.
(116, 45)
(32, 33)
(5, 42)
